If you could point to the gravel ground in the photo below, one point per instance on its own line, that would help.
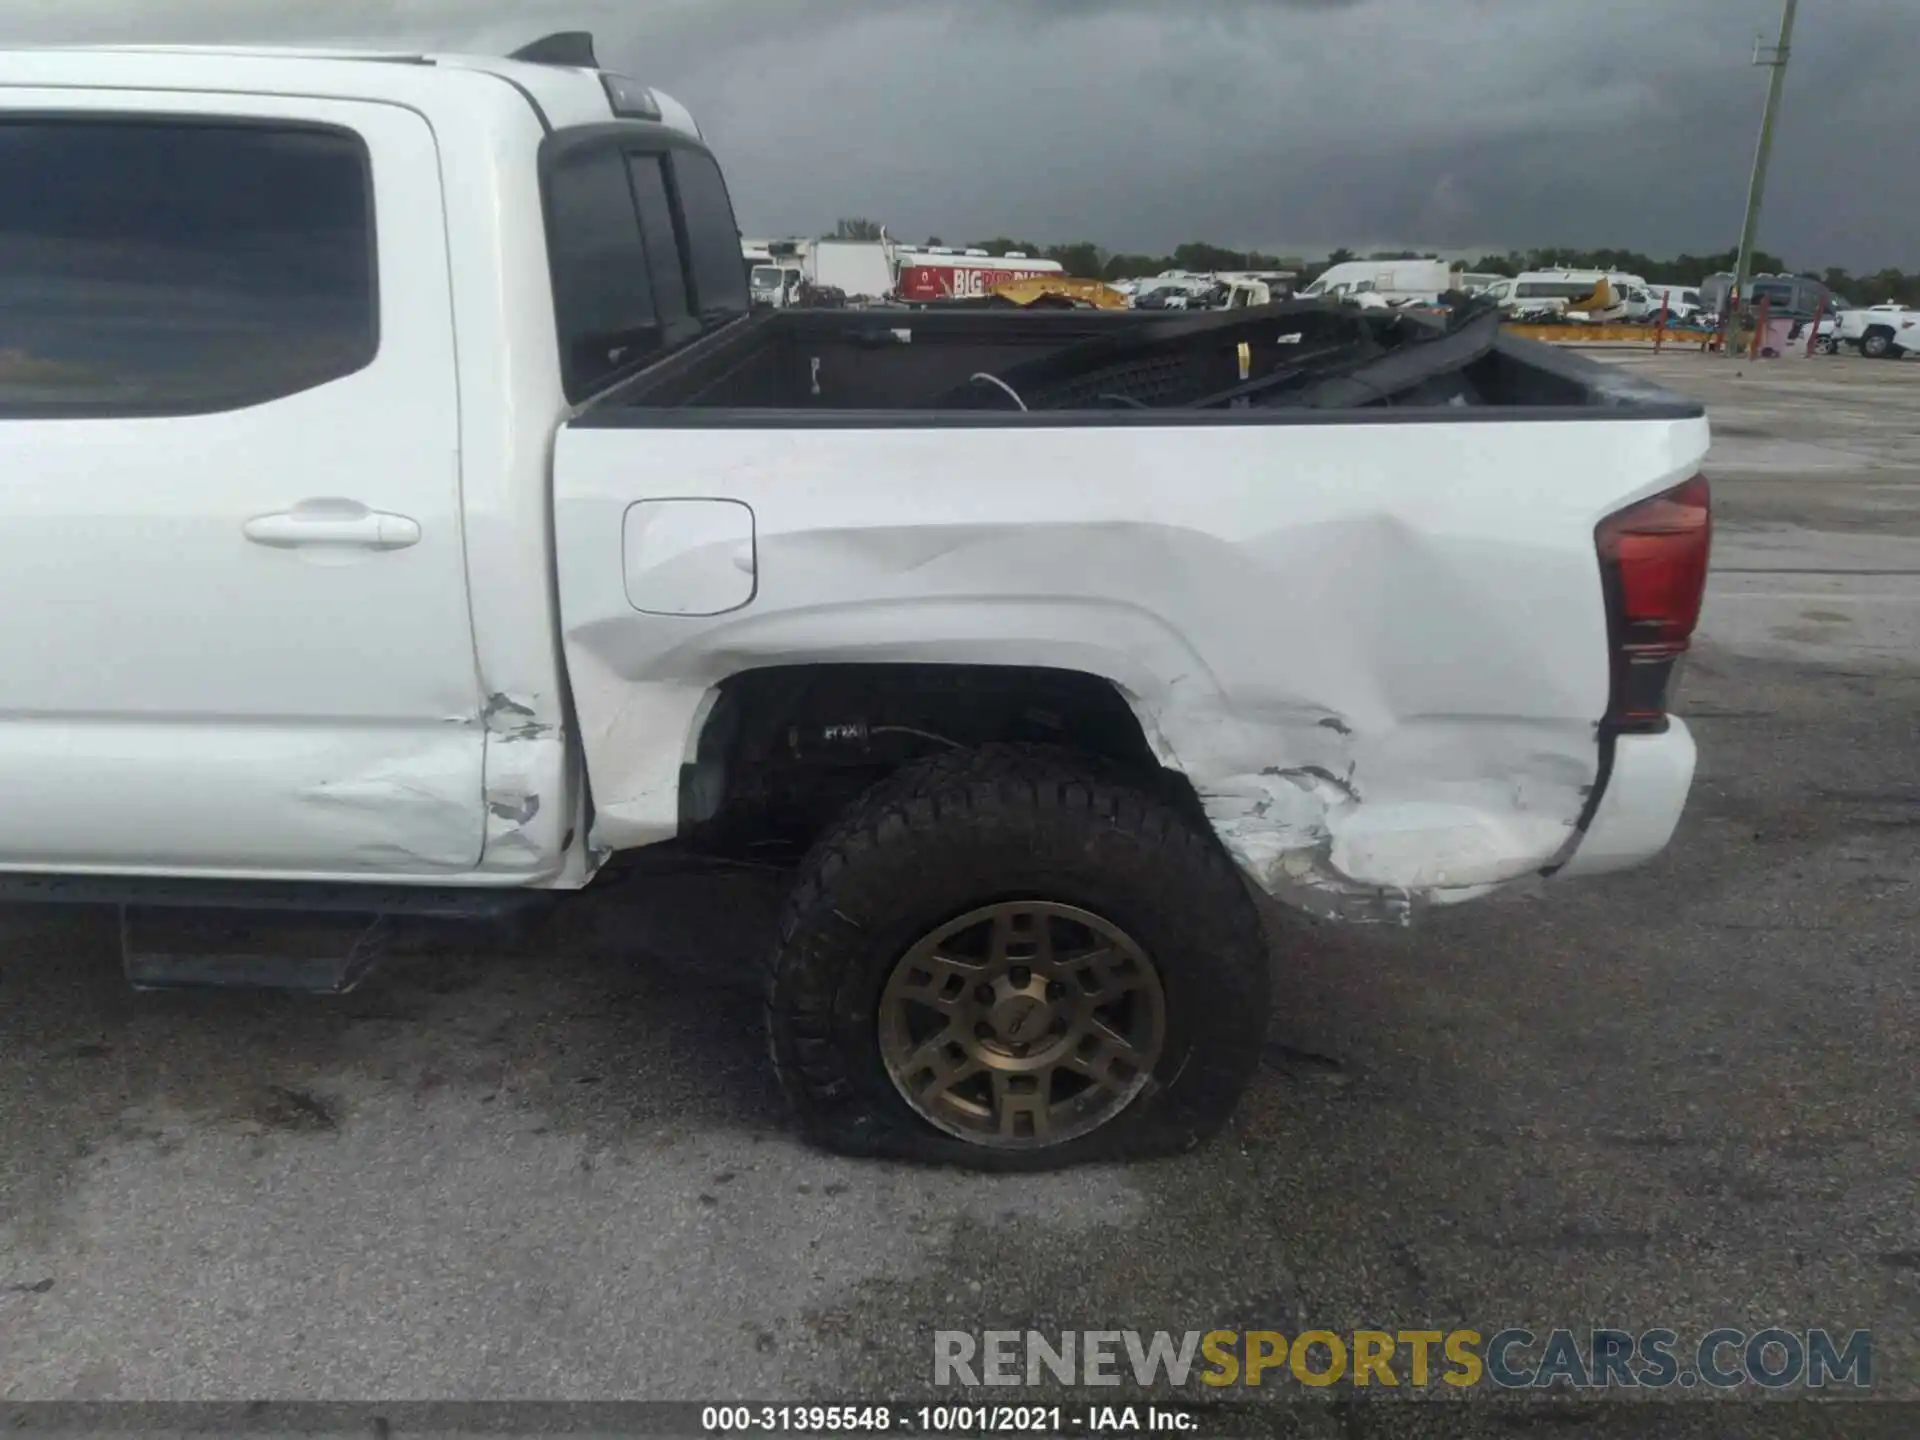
(1684, 1096)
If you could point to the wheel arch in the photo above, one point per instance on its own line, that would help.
(784, 749)
(1114, 658)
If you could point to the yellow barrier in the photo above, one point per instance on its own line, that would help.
(1605, 334)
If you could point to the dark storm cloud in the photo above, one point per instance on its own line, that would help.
(1284, 124)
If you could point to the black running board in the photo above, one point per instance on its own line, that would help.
(321, 953)
(262, 934)
(449, 902)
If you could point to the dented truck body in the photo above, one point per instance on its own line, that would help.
(1379, 652)
(458, 614)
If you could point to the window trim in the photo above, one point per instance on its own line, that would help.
(690, 320)
(216, 405)
(625, 138)
(683, 236)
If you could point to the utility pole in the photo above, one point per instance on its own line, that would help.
(1756, 190)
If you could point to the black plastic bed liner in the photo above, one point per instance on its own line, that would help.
(1291, 358)
(1306, 354)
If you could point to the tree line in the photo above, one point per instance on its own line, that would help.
(1084, 257)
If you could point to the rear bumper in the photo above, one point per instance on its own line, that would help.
(1641, 804)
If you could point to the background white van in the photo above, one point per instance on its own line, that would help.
(1394, 281)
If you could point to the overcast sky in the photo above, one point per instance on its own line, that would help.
(1289, 125)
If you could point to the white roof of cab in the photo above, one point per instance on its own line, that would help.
(566, 95)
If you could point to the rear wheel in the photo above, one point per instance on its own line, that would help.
(1013, 958)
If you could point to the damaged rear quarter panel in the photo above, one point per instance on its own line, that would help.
(1378, 651)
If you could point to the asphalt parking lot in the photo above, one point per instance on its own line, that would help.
(1681, 1097)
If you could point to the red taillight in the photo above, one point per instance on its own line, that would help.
(1653, 565)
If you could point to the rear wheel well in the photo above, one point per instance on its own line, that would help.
(785, 749)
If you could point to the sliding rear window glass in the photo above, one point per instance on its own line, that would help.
(664, 261)
(713, 237)
(645, 254)
(603, 292)
(157, 267)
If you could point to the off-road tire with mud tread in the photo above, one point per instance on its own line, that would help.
(1003, 822)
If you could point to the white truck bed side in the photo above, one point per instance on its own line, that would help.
(1377, 650)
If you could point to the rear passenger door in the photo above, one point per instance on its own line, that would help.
(237, 638)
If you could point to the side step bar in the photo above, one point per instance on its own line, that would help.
(322, 953)
(319, 938)
(427, 902)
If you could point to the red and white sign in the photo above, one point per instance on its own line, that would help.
(924, 279)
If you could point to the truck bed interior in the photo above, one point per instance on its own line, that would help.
(1293, 357)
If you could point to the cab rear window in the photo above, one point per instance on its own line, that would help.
(644, 251)
(604, 305)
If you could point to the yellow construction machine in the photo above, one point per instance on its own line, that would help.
(1060, 290)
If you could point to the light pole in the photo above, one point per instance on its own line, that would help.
(1756, 190)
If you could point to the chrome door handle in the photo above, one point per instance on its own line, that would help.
(332, 522)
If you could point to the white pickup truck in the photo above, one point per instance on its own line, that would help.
(1881, 332)
(406, 514)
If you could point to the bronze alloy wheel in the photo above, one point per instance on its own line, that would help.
(1023, 1024)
